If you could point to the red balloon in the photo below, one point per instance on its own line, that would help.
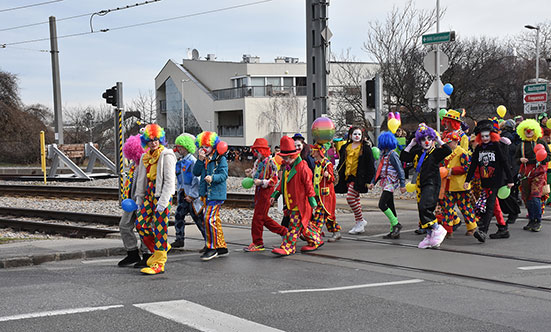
(538, 147)
(541, 155)
(443, 172)
(221, 147)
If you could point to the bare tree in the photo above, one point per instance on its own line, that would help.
(284, 114)
(146, 104)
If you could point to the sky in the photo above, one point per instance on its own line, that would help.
(91, 63)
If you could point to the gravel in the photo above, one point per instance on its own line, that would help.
(9, 235)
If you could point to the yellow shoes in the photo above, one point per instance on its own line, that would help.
(156, 263)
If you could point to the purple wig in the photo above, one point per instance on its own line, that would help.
(424, 131)
(387, 141)
(132, 148)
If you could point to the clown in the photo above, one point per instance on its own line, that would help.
(451, 122)
(390, 175)
(133, 151)
(212, 167)
(426, 158)
(533, 172)
(356, 170)
(489, 161)
(155, 187)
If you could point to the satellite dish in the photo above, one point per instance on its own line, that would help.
(194, 54)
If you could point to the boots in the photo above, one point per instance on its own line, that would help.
(132, 257)
(502, 233)
(394, 225)
(143, 262)
(158, 260)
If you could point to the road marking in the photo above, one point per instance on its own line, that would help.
(58, 312)
(202, 318)
(96, 261)
(403, 231)
(537, 267)
(403, 282)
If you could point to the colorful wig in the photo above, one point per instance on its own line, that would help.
(153, 132)
(529, 124)
(494, 137)
(424, 131)
(451, 123)
(387, 141)
(132, 148)
(187, 141)
(207, 138)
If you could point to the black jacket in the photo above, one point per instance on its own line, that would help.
(430, 170)
(364, 174)
(491, 163)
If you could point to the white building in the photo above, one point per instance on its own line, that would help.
(241, 101)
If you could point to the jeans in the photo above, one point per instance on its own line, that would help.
(184, 208)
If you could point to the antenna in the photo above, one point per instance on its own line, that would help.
(188, 53)
(194, 54)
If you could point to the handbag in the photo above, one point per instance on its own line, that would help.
(546, 189)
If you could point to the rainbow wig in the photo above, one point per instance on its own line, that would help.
(153, 132)
(387, 141)
(207, 138)
(529, 124)
(424, 131)
(132, 148)
(187, 141)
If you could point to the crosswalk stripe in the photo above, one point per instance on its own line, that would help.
(58, 312)
(535, 267)
(202, 318)
(392, 283)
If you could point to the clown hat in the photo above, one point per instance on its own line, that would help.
(484, 125)
(260, 143)
(453, 114)
(287, 146)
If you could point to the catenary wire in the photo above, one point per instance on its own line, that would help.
(28, 6)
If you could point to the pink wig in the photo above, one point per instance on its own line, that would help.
(132, 148)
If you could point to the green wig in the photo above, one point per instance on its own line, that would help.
(529, 124)
(187, 141)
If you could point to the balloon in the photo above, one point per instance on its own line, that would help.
(548, 124)
(376, 152)
(323, 130)
(398, 117)
(129, 205)
(443, 172)
(448, 89)
(441, 113)
(393, 125)
(541, 155)
(221, 147)
(538, 147)
(391, 116)
(503, 192)
(501, 110)
(410, 187)
(247, 183)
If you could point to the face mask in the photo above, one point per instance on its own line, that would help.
(357, 135)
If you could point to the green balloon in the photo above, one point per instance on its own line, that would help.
(441, 113)
(503, 192)
(247, 183)
(376, 152)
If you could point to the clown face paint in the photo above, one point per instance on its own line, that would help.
(289, 160)
(426, 143)
(485, 137)
(298, 145)
(356, 136)
(207, 149)
(529, 133)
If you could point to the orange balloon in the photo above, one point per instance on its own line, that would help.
(541, 155)
(443, 172)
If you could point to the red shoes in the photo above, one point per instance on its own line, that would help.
(280, 252)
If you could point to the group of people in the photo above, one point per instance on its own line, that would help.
(451, 169)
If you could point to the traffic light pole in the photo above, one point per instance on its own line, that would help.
(58, 117)
(378, 105)
(119, 138)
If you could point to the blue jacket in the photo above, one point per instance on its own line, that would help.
(218, 169)
(186, 180)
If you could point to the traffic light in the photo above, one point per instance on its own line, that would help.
(370, 93)
(111, 96)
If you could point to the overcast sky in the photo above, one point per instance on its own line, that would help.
(93, 62)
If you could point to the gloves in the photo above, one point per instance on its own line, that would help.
(160, 208)
(139, 201)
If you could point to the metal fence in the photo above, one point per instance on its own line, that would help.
(259, 91)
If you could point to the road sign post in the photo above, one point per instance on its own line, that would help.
(437, 38)
(535, 98)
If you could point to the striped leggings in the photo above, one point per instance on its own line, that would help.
(213, 226)
(353, 199)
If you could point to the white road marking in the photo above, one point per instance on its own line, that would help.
(536, 267)
(403, 282)
(202, 318)
(97, 261)
(58, 312)
(402, 231)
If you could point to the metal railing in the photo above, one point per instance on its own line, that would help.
(259, 91)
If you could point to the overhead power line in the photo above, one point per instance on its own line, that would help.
(28, 6)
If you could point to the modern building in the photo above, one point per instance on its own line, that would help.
(241, 101)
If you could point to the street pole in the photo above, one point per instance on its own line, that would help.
(538, 54)
(378, 105)
(437, 69)
(183, 109)
(58, 117)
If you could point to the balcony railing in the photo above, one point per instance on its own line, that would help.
(259, 91)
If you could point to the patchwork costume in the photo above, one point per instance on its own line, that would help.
(326, 200)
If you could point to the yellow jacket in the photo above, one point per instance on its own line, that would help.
(457, 164)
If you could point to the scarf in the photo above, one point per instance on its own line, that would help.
(150, 159)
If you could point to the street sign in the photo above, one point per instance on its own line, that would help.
(442, 103)
(535, 88)
(535, 97)
(441, 37)
(429, 62)
(534, 108)
(436, 89)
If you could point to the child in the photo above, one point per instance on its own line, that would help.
(298, 194)
(324, 213)
(132, 151)
(189, 201)
(155, 187)
(213, 169)
(427, 158)
(390, 176)
(264, 173)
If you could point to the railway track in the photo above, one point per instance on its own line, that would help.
(56, 228)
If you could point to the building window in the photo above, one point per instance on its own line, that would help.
(230, 123)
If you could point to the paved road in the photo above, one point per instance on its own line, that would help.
(362, 283)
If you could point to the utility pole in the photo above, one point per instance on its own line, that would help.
(317, 40)
(437, 69)
(58, 116)
(378, 105)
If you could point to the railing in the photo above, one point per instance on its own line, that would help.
(259, 91)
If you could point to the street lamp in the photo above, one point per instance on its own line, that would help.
(183, 107)
(531, 27)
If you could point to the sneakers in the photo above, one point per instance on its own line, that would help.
(395, 233)
(222, 252)
(179, 243)
(253, 247)
(335, 237)
(358, 227)
(529, 225)
(480, 236)
(143, 262)
(204, 249)
(425, 243)
(500, 234)
(131, 258)
(279, 252)
(536, 227)
(438, 236)
(209, 254)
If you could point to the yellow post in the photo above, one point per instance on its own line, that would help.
(43, 154)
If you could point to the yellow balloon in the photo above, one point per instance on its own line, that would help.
(548, 124)
(393, 125)
(411, 187)
(501, 110)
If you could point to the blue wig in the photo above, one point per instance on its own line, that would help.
(387, 141)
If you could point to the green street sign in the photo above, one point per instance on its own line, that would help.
(441, 37)
(534, 88)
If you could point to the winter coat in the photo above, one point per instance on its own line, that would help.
(364, 173)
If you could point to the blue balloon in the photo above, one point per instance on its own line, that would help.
(448, 89)
(129, 205)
